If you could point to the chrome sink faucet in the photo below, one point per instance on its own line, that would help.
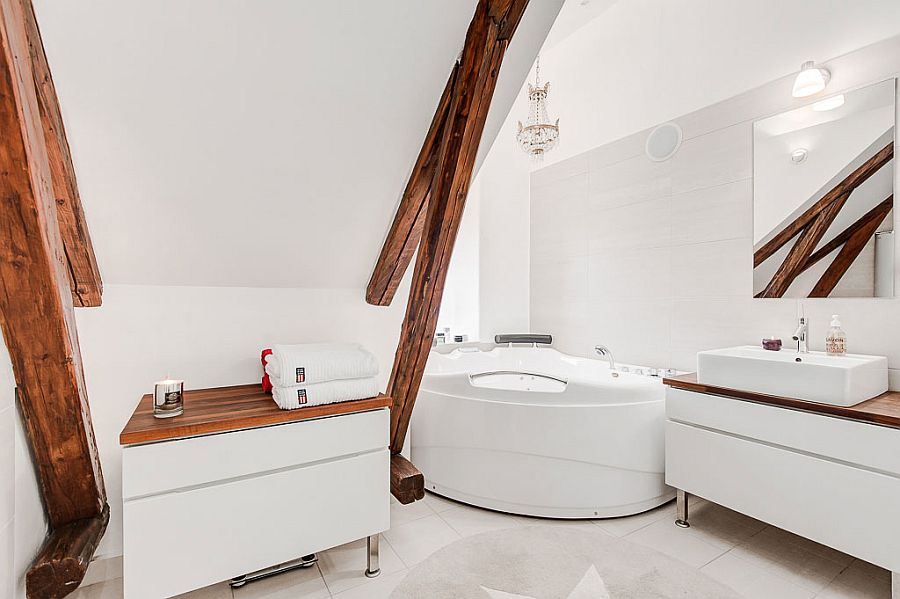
(800, 336)
(602, 350)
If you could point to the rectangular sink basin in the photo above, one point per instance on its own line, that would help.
(836, 380)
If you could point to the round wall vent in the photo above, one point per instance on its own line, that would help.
(663, 142)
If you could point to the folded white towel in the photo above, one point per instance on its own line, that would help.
(316, 394)
(290, 365)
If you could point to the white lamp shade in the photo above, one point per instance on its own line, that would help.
(810, 80)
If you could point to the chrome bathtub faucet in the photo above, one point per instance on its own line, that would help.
(800, 336)
(602, 350)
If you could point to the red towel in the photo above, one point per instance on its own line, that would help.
(266, 383)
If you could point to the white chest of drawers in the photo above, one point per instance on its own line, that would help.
(202, 509)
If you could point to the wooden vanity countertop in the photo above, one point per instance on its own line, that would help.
(883, 410)
(225, 409)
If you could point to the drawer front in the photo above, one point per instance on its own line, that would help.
(853, 510)
(182, 541)
(868, 445)
(169, 465)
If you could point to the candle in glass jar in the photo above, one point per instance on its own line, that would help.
(168, 398)
(772, 343)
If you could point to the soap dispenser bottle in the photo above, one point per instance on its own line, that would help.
(836, 340)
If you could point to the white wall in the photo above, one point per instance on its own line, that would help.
(7, 477)
(459, 305)
(210, 337)
(654, 259)
(22, 521)
(642, 62)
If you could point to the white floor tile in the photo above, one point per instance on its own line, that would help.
(223, 591)
(401, 514)
(110, 589)
(468, 521)
(303, 582)
(778, 552)
(680, 543)
(620, 527)
(344, 567)
(860, 580)
(439, 504)
(416, 540)
(753, 581)
(375, 588)
(721, 526)
(586, 525)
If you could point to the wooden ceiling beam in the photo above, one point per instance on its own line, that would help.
(36, 311)
(406, 230)
(846, 186)
(878, 213)
(856, 239)
(486, 43)
(84, 274)
(799, 254)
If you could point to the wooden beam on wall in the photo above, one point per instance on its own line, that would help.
(489, 33)
(84, 274)
(36, 311)
(406, 230)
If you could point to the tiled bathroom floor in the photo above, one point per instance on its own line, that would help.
(757, 560)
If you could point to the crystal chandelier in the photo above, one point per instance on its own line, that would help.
(538, 135)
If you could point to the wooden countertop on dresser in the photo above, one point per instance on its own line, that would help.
(225, 409)
(883, 410)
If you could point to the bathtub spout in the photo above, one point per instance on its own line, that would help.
(602, 350)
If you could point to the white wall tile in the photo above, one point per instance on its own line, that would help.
(713, 213)
(722, 156)
(714, 269)
(7, 465)
(630, 273)
(647, 224)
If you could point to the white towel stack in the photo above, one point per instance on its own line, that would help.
(320, 373)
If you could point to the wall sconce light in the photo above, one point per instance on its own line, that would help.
(829, 103)
(810, 80)
(799, 155)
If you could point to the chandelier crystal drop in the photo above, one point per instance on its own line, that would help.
(538, 136)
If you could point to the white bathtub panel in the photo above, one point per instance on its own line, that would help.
(537, 485)
(630, 437)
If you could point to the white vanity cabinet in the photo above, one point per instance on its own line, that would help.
(199, 509)
(832, 479)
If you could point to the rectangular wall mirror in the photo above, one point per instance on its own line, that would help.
(823, 197)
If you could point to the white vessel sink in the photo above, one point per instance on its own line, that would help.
(815, 376)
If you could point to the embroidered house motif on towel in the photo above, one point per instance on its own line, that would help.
(301, 393)
(301, 375)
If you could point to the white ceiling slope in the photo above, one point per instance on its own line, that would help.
(260, 144)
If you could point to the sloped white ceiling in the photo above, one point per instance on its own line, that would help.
(255, 143)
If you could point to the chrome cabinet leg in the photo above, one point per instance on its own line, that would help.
(372, 567)
(681, 509)
(307, 561)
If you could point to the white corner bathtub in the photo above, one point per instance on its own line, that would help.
(536, 432)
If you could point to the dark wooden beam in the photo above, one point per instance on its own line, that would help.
(846, 186)
(878, 213)
(407, 483)
(36, 313)
(406, 230)
(855, 243)
(63, 560)
(486, 42)
(84, 274)
(801, 251)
